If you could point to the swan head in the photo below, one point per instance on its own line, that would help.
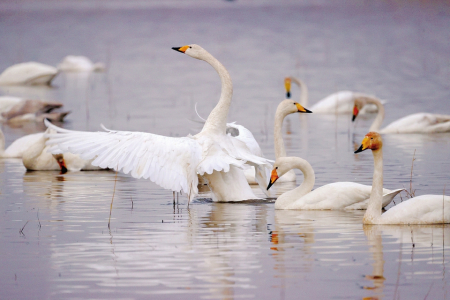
(62, 164)
(281, 166)
(287, 86)
(372, 141)
(288, 106)
(358, 105)
(192, 50)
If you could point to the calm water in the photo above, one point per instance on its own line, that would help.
(54, 238)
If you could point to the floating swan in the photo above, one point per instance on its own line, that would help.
(337, 195)
(38, 158)
(28, 73)
(15, 109)
(72, 63)
(173, 163)
(415, 123)
(426, 209)
(19, 146)
(336, 103)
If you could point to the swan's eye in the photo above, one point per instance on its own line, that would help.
(371, 138)
(276, 168)
(190, 47)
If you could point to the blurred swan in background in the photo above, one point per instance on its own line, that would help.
(16, 109)
(28, 73)
(173, 163)
(336, 103)
(426, 209)
(337, 195)
(72, 63)
(415, 123)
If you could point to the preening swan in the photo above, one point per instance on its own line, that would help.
(28, 73)
(15, 109)
(415, 123)
(38, 158)
(174, 163)
(337, 195)
(72, 63)
(426, 209)
(19, 146)
(336, 103)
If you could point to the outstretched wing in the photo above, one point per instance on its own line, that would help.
(169, 162)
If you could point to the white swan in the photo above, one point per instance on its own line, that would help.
(173, 163)
(72, 63)
(19, 146)
(415, 123)
(38, 158)
(28, 73)
(426, 209)
(336, 103)
(15, 109)
(337, 195)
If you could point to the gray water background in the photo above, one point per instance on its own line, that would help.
(397, 50)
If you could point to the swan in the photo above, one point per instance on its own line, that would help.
(173, 163)
(38, 158)
(336, 103)
(415, 123)
(28, 73)
(337, 195)
(15, 109)
(19, 146)
(72, 63)
(426, 209)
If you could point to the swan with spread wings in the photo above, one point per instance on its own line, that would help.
(175, 163)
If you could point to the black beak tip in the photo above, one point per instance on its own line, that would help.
(360, 149)
(288, 95)
(63, 170)
(177, 49)
(270, 184)
(308, 111)
(353, 118)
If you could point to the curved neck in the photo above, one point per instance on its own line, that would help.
(376, 125)
(217, 119)
(2, 142)
(306, 186)
(304, 91)
(374, 207)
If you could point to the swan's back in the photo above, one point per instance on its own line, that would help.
(425, 209)
(8, 102)
(420, 122)
(339, 102)
(19, 146)
(28, 73)
(73, 63)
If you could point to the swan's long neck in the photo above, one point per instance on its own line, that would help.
(307, 185)
(280, 114)
(376, 125)
(217, 119)
(2, 142)
(374, 207)
(304, 91)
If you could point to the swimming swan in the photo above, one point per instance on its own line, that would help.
(19, 146)
(28, 73)
(337, 195)
(15, 109)
(173, 163)
(415, 123)
(426, 209)
(336, 103)
(72, 63)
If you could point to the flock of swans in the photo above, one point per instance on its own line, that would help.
(227, 158)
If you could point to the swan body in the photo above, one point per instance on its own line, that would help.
(336, 103)
(337, 195)
(72, 63)
(174, 163)
(28, 73)
(38, 158)
(19, 146)
(426, 209)
(15, 109)
(415, 123)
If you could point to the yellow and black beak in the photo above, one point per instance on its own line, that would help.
(302, 109)
(181, 49)
(364, 145)
(355, 113)
(287, 86)
(273, 178)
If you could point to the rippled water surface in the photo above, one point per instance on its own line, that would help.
(54, 236)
